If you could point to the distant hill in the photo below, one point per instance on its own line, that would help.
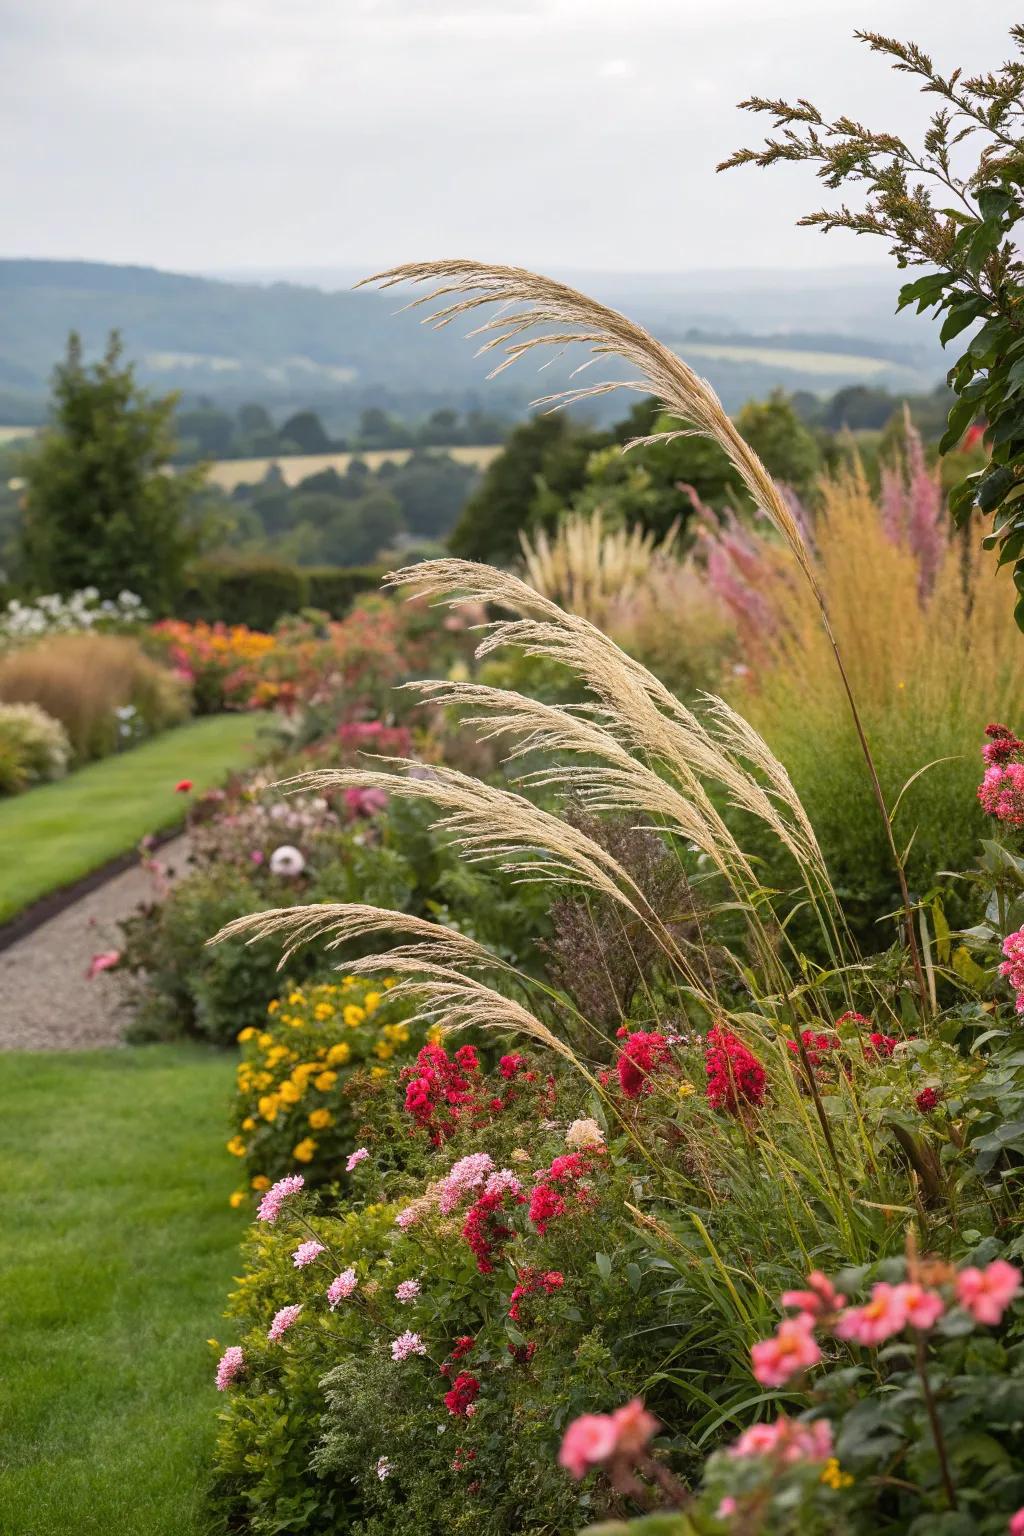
(288, 344)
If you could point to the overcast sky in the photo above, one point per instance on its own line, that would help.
(216, 134)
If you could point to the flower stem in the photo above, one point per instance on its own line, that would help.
(933, 1420)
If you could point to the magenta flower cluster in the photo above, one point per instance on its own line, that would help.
(277, 1194)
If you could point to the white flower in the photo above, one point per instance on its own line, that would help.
(287, 861)
(383, 1468)
(584, 1133)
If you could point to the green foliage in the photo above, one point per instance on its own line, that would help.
(333, 589)
(252, 592)
(977, 274)
(100, 509)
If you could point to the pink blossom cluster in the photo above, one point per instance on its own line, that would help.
(277, 1194)
(229, 1366)
(407, 1290)
(786, 1441)
(407, 1344)
(305, 1253)
(1001, 793)
(598, 1438)
(341, 1287)
(1013, 966)
(355, 1158)
(466, 1176)
(283, 1320)
(984, 1293)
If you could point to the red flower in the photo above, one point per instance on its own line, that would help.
(880, 1047)
(533, 1282)
(735, 1076)
(927, 1099)
(485, 1231)
(639, 1059)
(462, 1394)
(183, 787)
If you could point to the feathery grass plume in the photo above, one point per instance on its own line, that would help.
(568, 317)
(639, 719)
(587, 567)
(490, 823)
(462, 1002)
(353, 920)
(560, 316)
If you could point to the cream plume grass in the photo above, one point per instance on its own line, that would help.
(564, 317)
(354, 920)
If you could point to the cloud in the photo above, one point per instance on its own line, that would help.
(227, 133)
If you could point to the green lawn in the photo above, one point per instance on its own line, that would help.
(53, 835)
(117, 1255)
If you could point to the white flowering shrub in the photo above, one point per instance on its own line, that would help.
(34, 748)
(56, 615)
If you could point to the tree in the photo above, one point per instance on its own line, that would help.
(778, 436)
(102, 508)
(306, 431)
(976, 270)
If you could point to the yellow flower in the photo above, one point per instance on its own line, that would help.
(322, 1011)
(390, 981)
(320, 1119)
(263, 1080)
(274, 1006)
(236, 1146)
(833, 1476)
(236, 1198)
(269, 1105)
(278, 1053)
(378, 1072)
(260, 1181)
(326, 1081)
(371, 1001)
(685, 1089)
(289, 1092)
(305, 1151)
(353, 1015)
(398, 1034)
(349, 981)
(248, 1124)
(265, 1042)
(295, 998)
(435, 1034)
(246, 1034)
(302, 1073)
(384, 1049)
(339, 1054)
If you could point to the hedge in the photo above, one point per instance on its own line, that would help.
(259, 592)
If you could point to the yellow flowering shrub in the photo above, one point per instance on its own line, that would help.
(293, 1109)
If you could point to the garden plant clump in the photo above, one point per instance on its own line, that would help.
(700, 1215)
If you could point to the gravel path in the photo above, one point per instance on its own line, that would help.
(46, 1003)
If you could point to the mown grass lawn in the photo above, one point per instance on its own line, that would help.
(117, 1255)
(53, 835)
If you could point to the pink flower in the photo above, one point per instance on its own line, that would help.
(305, 1253)
(1016, 1526)
(467, 1175)
(588, 1441)
(793, 1349)
(341, 1287)
(821, 1297)
(787, 1439)
(355, 1158)
(277, 1194)
(105, 961)
(501, 1180)
(183, 787)
(986, 1293)
(876, 1321)
(634, 1427)
(229, 1366)
(726, 1508)
(923, 1307)
(283, 1320)
(408, 1217)
(407, 1344)
(365, 802)
(408, 1290)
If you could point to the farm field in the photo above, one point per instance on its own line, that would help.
(825, 363)
(229, 473)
